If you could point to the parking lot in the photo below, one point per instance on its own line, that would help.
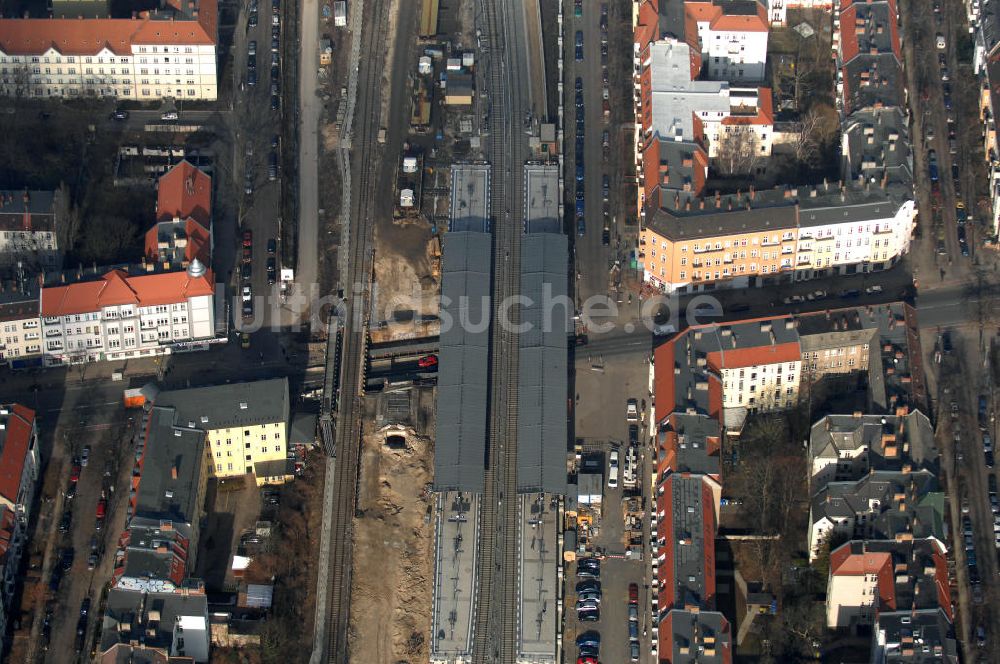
(604, 385)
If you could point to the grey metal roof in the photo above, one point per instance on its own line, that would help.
(259, 596)
(456, 535)
(127, 618)
(541, 198)
(877, 143)
(542, 377)
(463, 368)
(171, 470)
(470, 197)
(229, 406)
(853, 445)
(702, 637)
(689, 536)
(538, 594)
(914, 637)
(38, 205)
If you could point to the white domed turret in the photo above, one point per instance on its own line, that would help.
(196, 269)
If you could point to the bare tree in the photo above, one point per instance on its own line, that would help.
(67, 219)
(739, 151)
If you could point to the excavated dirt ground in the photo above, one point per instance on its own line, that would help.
(393, 546)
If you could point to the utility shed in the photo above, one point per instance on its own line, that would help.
(542, 380)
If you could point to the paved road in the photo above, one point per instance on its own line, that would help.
(591, 256)
(306, 272)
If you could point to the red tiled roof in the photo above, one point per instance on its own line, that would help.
(718, 20)
(845, 563)
(185, 191)
(755, 356)
(16, 438)
(765, 112)
(198, 242)
(117, 288)
(90, 36)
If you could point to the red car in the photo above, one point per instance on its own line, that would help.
(102, 507)
(587, 660)
(427, 361)
(247, 238)
(633, 594)
(74, 474)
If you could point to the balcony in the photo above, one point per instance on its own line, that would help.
(53, 332)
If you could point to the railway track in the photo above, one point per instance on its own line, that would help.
(497, 606)
(357, 287)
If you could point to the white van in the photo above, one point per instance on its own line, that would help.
(613, 470)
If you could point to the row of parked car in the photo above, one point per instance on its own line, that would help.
(252, 21)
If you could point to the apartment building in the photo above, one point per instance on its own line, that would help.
(157, 550)
(884, 505)
(871, 577)
(733, 38)
(685, 543)
(868, 54)
(847, 447)
(758, 238)
(245, 427)
(20, 342)
(183, 228)
(121, 315)
(167, 52)
(20, 462)
(28, 230)
(726, 371)
(155, 627)
(863, 223)
(695, 637)
(914, 637)
(684, 524)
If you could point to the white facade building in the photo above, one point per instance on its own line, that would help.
(763, 387)
(865, 236)
(733, 37)
(170, 53)
(122, 316)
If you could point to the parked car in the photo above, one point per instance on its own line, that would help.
(119, 114)
(75, 470)
(102, 508)
(941, 43)
(247, 238)
(632, 410)
(272, 246)
(85, 456)
(66, 559)
(66, 521)
(169, 115)
(633, 594)
(427, 361)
